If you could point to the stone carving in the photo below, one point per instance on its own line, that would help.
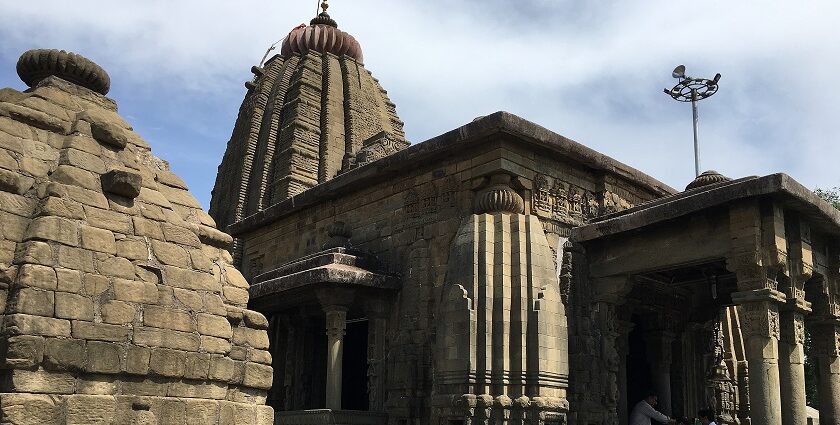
(377, 147)
(38, 64)
(760, 318)
(557, 200)
(499, 197)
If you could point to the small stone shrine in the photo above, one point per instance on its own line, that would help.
(503, 274)
(119, 302)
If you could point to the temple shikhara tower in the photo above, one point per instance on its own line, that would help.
(497, 274)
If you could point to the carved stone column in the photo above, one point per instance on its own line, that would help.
(660, 355)
(760, 327)
(826, 348)
(336, 325)
(792, 368)
(377, 326)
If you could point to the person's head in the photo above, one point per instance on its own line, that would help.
(706, 416)
(651, 398)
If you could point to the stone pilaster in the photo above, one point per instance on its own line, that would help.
(760, 327)
(336, 325)
(826, 348)
(792, 367)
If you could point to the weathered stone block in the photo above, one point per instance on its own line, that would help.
(40, 381)
(103, 357)
(200, 261)
(109, 134)
(90, 409)
(236, 413)
(171, 254)
(254, 338)
(117, 312)
(73, 306)
(68, 174)
(37, 276)
(34, 252)
(213, 325)
(16, 204)
(133, 249)
(181, 235)
(24, 351)
(31, 409)
(172, 411)
(97, 239)
(66, 208)
(144, 227)
(13, 227)
(201, 412)
(254, 319)
(212, 344)
(105, 219)
(54, 229)
(116, 267)
(257, 376)
(168, 318)
(135, 291)
(68, 280)
(82, 159)
(261, 356)
(167, 362)
(122, 183)
(209, 390)
(25, 324)
(236, 295)
(265, 415)
(153, 337)
(96, 384)
(33, 301)
(137, 360)
(188, 279)
(99, 331)
(235, 278)
(75, 258)
(191, 300)
(222, 369)
(95, 284)
(196, 366)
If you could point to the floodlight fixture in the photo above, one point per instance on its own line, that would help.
(690, 89)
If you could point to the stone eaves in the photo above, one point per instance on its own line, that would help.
(445, 145)
(781, 186)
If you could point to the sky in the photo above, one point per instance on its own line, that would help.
(591, 70)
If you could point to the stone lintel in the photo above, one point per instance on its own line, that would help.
(758, 295)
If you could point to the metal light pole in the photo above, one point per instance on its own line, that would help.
(692, 90)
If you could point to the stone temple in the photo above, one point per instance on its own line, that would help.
(496, 274)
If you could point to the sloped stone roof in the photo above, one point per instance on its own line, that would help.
(117, 293)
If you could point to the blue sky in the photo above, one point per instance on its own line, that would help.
(592, 71)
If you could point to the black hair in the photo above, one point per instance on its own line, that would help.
(651, 393)
(706, 413)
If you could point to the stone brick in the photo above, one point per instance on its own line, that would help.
(171, 254)
(144, 227)
(105, 219)
(35, 118)
(238, 353)
(199, 390)
(144, 387)
(99, 331)
(172, 411)
(137, 360)
(200, 261)
(265, 415)
(83, 160)
(122, 182)
(59, 207)
(135, 291)
(40, 381)
(37, 276)
(152, 196)
(212, 325)
(103, 357)
(34, 301)
(167, 362)
(235, 278)
(117, 312)
(34, 252)
(261, 356)
(189, 299)
(64, 354)
(252, 337)
(236, 295)
(95, 284)
(24, 324)
(73, 306)
(236, 413)
(75, 258)
(108, 133)
(75, 176)
(85, 196)
(54, 229)
(188, 279)
(116, 267)
(201, 412)
(133, 249)
(34, 167)
(16, 204)
(90, 409)
(68, 280)
(257, 376)
(154, 337)
(254, 319)
(211, 344)
(181, 235)
(98, 239)
(167, 318)
(96, 384)
(13, 227)
(222, 369)
(31, 409)
(24, 351)
(196, 366)
(214, 305)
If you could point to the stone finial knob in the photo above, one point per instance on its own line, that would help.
(706, 178)
(37, 64)
(338, 234)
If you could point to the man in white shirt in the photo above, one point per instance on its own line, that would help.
(643, 412)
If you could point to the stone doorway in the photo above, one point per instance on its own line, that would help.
(354, 381)
(638, 368)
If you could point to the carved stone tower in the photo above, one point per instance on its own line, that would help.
(310, 113)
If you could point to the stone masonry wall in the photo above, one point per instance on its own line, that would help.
(119, 302)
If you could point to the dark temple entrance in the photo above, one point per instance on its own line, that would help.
(354, 392)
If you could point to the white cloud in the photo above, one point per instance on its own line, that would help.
(592, 71)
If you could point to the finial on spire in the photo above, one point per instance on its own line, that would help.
(323, 18)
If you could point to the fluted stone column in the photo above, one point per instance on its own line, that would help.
(826, 340)
(336, 325)
(660, 354)
(760, 326)
(792, 368)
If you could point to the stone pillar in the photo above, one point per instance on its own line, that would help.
(336, 324)
(826, 348)
(659, 353)
(760, 326)
(376, 311)
(792, 368)
(624, 329)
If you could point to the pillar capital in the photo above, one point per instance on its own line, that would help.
(792, 326)
(760, 319)
(825, 338)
